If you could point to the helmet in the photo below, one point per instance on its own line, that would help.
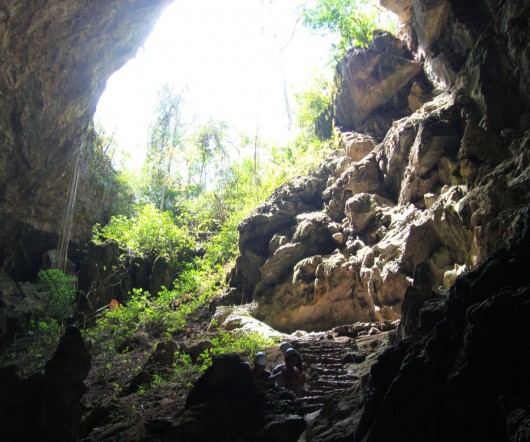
(260, 359)
(284, 346)
(290, 352)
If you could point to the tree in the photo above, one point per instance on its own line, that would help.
(352, 20)
(315, 107)
(212, 158)
(166, 140)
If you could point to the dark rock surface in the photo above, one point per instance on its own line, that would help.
(226, 403)
(464, 377)
(46, 407)
(55, 58)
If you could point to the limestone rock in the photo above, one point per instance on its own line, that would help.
(362, 208)
(469, 356)
(102, 277)
(368, 80)
(162, 275)
(356, 146)
(10, 298)
(55, 60)
(240, 319)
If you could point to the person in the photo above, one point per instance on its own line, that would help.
(284, 346)
(259, 367)
(290, 376)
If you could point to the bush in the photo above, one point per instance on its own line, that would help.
(53, 296)
(244, 344)
(148, 233)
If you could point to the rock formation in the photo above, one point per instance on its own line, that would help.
(46, 406)
(460, 375)
(227, 403)
(433, 171)
(55, 58)
(432, 180)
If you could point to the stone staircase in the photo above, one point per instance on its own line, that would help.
(333, 365)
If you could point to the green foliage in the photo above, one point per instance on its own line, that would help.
(165, 313)
(112, 186)
(314, 110)
(149, 232)
(207, 157)
(56, 294)
(166, 141)
(244, 344)
(48, 303)
(141, 311)
(353, 21)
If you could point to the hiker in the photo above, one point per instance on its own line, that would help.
(290, 376)
(259, 367)
(284, 346)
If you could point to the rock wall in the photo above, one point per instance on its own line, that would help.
(55, 58)
(433, 169)
(46, 406)
(459, 373)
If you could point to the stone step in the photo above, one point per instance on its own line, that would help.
(327, 366)
(339, 384)
(339, 378)
(323, 390)
(325, 349)
(325, 370)
(322, 359)
(317, 350)
(320, 368)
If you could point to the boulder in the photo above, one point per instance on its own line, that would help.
(47, 406)
(226, 403)
(369, 79)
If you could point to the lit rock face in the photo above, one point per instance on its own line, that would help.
(55, 58)
(369, 79)
(428, 172)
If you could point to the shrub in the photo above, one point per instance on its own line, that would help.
(149, 232)
(54, 296)
(244, 344)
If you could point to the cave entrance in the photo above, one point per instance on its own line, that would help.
(237, 61)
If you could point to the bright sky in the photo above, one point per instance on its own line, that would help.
(227, 56)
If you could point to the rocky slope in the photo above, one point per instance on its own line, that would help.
(433, 170)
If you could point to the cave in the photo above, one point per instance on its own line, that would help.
(423, 220)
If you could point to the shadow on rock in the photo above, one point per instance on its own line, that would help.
(46, 407)
(226, 403)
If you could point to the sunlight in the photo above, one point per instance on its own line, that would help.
(227, 57)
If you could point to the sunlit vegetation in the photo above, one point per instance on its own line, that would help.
(196, 186)
(352, 22)
(247, 344)
(111, 185)
(199, 180)
(148, 232)
(47, 306)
